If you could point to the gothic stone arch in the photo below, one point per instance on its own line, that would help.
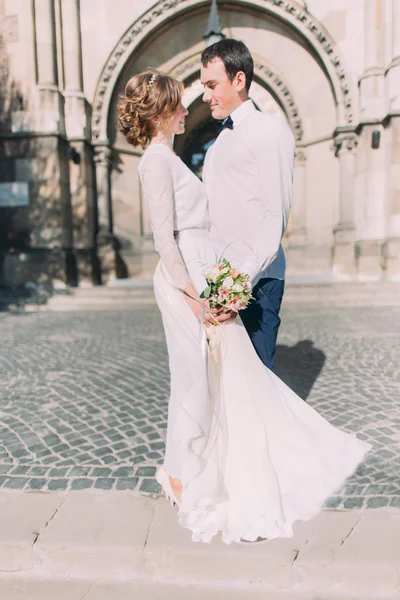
(288, 11)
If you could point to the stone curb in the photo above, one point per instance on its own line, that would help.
(120, 537)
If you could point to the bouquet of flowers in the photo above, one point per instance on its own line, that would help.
(227, 288)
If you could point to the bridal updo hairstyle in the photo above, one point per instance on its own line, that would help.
(149, 95)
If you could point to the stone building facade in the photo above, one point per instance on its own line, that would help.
(70, 199)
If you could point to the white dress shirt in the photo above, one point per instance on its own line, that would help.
(248, 174)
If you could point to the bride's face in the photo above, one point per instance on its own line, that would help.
(176, 124)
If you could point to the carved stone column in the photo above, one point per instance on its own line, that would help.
(392, 247)
(49, 111)
(393, 71)
(75, 103)
(77, 120)
(344, 266)
(296, 250)
(372, 82)
(372, 224)
(102, 159)
(105, 238)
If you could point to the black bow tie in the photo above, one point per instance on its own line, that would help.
(227, 124)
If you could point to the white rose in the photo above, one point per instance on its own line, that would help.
(238, 288)
(211, 273)
(227, 283)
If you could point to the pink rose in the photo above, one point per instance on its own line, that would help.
(223, 295)
(235, 305)
(235, 273)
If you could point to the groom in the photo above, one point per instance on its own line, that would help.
(248, 174)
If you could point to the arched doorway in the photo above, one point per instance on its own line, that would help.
(197, 143)
(285, 48)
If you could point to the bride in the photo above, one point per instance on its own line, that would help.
(245, 456)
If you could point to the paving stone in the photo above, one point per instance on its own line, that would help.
(127, 483)
(101, 472)
(16, 483)
(123, 472)
(154, 455)
(353, 502)
(377, 502)
(157, 446)
(57, 484)
(37, 483)
(38, 471)
(20, 470)
(58, 472)
(140, 450)
(150, 486)
(76, 471)
(102, 451)
(104, 483)
(145, 471)
(119, 446)
(333, 502)
(125, 454)
(81, 484)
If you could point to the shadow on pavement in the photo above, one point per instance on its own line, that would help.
(299, 366)
(16, 297)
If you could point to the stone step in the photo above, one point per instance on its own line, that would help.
(118, 541)
(135, 292)
(132, 285)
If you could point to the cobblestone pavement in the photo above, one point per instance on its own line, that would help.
(83, 395)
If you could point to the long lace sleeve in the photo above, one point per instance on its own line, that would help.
(156, 178)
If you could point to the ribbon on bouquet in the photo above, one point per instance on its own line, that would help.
(208, 335)
(206, 332)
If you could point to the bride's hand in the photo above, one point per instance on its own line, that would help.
(198, 306)
(222, 315)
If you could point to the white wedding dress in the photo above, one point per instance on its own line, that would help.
(252, 456)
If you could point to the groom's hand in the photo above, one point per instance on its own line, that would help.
(224, 316)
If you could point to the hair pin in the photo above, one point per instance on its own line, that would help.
(152, 80)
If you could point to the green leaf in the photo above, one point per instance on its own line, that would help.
(206, 293)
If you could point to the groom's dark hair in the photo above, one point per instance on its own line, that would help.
(234, 54)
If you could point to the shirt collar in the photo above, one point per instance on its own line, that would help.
(242, 111)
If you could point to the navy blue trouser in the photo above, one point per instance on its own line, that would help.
(261, 318)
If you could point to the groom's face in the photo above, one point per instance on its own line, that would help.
(221, 94)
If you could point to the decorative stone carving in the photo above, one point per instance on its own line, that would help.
(186, 68)
(344, 142)
(287, 10)
(102, 156)
(275, 81)
(344, 265)
(300, 159)
(102, 159)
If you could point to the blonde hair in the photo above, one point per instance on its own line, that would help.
(148, 95)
